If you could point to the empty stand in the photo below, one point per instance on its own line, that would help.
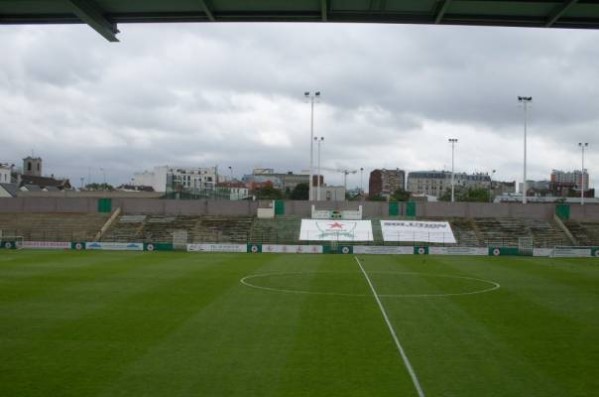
(585, 233)
(507, 231)
(281, 230)
(39, 226)
(157, 228)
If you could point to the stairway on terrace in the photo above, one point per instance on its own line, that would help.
(377, 232)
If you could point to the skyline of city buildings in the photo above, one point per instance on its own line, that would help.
(383, 182)
(203, 181)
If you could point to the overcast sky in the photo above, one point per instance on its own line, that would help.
(233, 95)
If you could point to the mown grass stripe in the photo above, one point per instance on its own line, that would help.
(402, 353)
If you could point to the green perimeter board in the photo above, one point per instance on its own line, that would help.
(134, 323)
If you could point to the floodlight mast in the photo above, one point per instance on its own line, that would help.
(318, 141)
(525, 100)
(582, 147)
(311, 97)
(361, 184)
(453, 141)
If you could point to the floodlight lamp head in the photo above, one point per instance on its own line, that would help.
(317, 93)
(306, 94)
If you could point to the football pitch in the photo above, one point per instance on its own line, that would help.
(183, 324)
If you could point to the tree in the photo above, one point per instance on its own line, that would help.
(268, 192)
(400, 195)
(301, 191)
(476, 194)
(479, 194)
(377, 197)
(99, 186)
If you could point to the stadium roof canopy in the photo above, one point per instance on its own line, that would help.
(103, 15)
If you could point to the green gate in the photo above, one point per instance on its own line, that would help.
(411, 208)
(563, 211)
(393, 208)
(104, 205)
(279, 207)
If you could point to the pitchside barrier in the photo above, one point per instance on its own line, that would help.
(331, 247)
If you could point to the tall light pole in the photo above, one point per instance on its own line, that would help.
(525, 100)
(491, 186)
(231, 174)
(318, 141)
(311, 97)
(582, 147)
(453, 141)
(361, 184)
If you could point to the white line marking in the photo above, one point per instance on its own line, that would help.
(245, 281)
(403, 354)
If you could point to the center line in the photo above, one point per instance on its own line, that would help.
(403, 354)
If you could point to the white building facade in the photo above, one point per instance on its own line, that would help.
(435, 183)
(179, 179)
(5, 171)
(574, 177)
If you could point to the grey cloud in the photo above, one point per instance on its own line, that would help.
(233, 95)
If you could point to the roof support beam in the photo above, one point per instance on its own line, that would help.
(442, 9)
(89, 12)
(207, 7)
(324, 10)
(558, 12)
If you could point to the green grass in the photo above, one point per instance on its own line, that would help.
(179, 324)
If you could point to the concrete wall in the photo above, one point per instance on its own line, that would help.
(45, 204)
(370, 209)
(589, 212)
(91, 194)
(484, 210)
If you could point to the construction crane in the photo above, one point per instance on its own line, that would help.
(344, 171)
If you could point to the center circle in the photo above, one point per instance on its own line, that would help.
(387, 284)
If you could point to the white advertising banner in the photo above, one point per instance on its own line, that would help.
(542, 251)
(296, 249)
(383, 250)
(208, 247)
(335, 230)
(572, 252)
(47, 245)
(425, 231)
(114, 246)
(458, 251)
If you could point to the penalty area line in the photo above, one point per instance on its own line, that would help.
(400, 349)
